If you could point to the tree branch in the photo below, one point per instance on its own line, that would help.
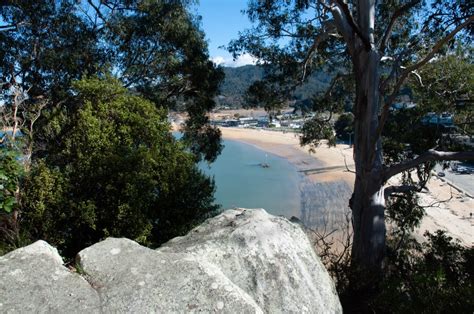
(350, 20)
(342, 24)
(399, 12)
(10, 27)
(98, 12)
(317, 41)
(431, 155)
(439, 45)
(345, 163)
(4, 28)
(414, 67)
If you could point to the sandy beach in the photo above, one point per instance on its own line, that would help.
(325, 174)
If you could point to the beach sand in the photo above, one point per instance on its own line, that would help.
(327, 184)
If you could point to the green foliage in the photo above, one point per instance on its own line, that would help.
(10, 174)
(433, 277)
(237, 81)
(448, 86)
(115, 170)
(315, 130)
(344, 126)
(404, 213)
(263, 94)
(154, 47)
(49, 47)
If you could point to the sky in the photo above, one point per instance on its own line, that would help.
(221, 22)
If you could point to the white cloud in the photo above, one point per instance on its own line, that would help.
(218, 60)
(229, 62)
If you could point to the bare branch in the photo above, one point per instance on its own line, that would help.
(389, 191)
(345, 163)
(431, 155)
(437, 203)
(398, 13)
(319, 38)
(414, 67)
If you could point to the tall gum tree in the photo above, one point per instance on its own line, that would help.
(379, 45)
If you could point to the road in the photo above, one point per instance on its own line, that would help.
(464, 181)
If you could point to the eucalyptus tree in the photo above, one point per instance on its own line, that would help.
(155, 47)
(378, 46)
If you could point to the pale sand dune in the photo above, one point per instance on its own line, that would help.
(452, 216)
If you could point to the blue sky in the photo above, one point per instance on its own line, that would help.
(221, 21)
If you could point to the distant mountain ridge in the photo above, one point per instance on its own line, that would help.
(238, 80)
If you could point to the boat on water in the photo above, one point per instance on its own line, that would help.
(265, 164)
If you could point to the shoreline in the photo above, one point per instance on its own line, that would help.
(325, 185)
(324, 174)
(326, 164)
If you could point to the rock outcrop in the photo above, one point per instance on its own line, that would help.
(33, 279)
(242, 261)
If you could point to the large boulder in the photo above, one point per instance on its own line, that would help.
(268, 257)
(134, 279)
(242, 261)
(33, 279)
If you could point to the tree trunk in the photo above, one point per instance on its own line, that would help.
(367, 202)
(368, 206)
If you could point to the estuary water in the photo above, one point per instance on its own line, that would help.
(241, 181)
(280, 189)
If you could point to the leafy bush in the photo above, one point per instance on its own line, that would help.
(344, 126)
(11, 172)
(113, 169)
(433, 277)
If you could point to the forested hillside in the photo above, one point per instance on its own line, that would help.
(238, 80)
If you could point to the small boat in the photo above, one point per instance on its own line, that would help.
(265, 164)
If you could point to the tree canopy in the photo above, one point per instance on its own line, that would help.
(86, 88)
(116, 171)
(153, 47)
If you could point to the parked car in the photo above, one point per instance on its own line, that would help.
(464, 170)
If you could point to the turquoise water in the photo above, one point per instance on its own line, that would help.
(242, 182)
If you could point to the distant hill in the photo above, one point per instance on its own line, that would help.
(237, 81)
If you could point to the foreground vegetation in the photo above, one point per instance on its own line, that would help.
(116, 170)
(86, 150)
